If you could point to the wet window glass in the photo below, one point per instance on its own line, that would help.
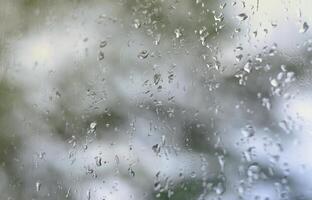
(155, 99)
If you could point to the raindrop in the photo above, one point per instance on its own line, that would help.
(92, 128)
(248, 131)
(239, 57)
(42, 155)
(237, 30)
(98, 161)
(273, 24)
(163, 139)
(280, 76)
(131, 172)
(156, 148)
(170, 193)
(38, 186)
(241, 189)
(101, 55)
(157, 39)
(219, 188)
(239, 48)
(248, 154)
(116, 159)
(223, 5)
(93, 125)
(284, 125)
(304, 27)
(193, 174)
(67, 193)
(266, 103)
(255, 33)
(290, 76)
(242, 16)
(219, 18)
(157, 78)
(272, 52)
(221, 162)
(274, 82)
(103, 44)
(253, 171)
(247, 67)
(157, 186)
(259, 58)
(178, 33)
(137, 24)
(143, 54)
(58, 94)
(89, 194)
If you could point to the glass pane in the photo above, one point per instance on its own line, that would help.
(155, 99)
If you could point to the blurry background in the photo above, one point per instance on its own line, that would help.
(155, 99)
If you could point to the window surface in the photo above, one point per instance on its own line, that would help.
(155, 100)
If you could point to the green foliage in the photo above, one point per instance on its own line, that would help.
(187, 190)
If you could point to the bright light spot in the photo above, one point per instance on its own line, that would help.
(36, 50)
(302, 108)
(41, 51)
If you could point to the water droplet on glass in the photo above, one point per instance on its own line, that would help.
(38, 186)
(163, 139)
(58, 94)
(101, 55)
(266, 103)
(193, 174)
(223, 5)
(290, 76)
(41, 155)
(237, 30)
(157, 78)
(178, 33)
(92, 128)
(143, 54)
(89, 194)
(103, 44)
(248, 156)
(253, 171)
(67, 193)
(248, 131)
(241, 189)
(239, 48)
(98, 161)
(93, 125)
(284, 125)
(219, 18)
(219, 188)
(247, 67)
(156, 148)
(242, 16)
(274, 82)
(304, 27)
(157, 186)
(136, 23)
(221, 162)
(116, 159)
(255, 33)
(131, 172)
(157, 39)
(239, 57)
